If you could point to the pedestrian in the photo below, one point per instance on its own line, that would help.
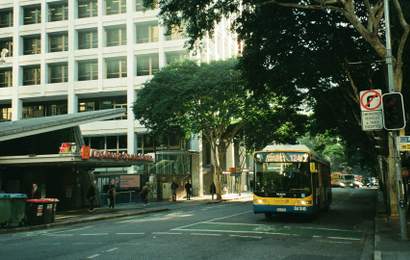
(188, 188)
(111, 196)
(91, 196)
(174, 187)
(35, 192)
(144, 194)
(213, 190)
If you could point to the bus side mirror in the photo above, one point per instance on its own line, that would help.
(313, 168)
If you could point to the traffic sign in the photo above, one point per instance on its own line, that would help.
(371, 100)
(404, 143)
(372, 120)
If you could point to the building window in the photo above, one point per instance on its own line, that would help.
(57, 11)
(116, 67)
(7, 43)
(31, 14)
(43, 109)
(87, 70)
(5, 113)
(139, 6)
(147, 64)
(87, 8)
(116, 36)
(58, 42)
(147, 32)
(93, 104)
(31, 44)
(175, 34)
(87, 39)
(175, 56)
(6, 18)
(57, 72)
(31, 75)
(115, 6)
(6, 77)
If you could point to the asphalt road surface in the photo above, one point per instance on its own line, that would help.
(228, 230)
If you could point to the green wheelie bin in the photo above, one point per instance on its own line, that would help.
(5, 209)
(18, 209)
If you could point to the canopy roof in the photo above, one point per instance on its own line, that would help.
(26, 127)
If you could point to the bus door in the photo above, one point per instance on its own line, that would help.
(315, 183)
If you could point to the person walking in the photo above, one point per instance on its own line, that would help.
(213, 190)
(188, 188)
(91, 193)
(111, 196)
(144, 194)
(174, 187)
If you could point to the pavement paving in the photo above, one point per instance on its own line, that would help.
(65, 218)
(387, 240)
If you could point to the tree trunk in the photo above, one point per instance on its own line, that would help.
(218, 151)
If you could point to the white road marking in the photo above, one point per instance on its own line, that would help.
(206, 234)
(257, 237)
(74, 229)
(86, 243)
(95, 234)
(315, 236)
(93, 256)
(235, 231)
(111, 250)
(58, 235)
(136, 233)
(166, 233)
(288, 227)
(201, 222)
(346, 238)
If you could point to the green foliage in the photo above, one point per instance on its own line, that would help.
(212, 99)
(328, 146)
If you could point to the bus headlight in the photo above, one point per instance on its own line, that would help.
(259, 201)
(305, 202)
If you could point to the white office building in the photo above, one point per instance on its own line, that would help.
(73, 56)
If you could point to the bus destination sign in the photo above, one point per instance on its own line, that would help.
(286, 157)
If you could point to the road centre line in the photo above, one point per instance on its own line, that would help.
(257, 237)
(345, 238)
(206, 234)
(93, 256)
(58, 235)
(111, 250)
(95, 234)
(130, 233)
(166, 233)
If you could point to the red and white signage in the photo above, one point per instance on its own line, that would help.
(371, 100)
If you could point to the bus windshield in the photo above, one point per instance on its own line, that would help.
(283, 179)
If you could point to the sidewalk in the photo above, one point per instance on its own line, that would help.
(72, 217)
(387, 241)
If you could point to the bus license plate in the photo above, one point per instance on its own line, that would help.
(281, 210)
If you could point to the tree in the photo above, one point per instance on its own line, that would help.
(278, 37)
(210, 99)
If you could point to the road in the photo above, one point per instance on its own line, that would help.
(226, 230)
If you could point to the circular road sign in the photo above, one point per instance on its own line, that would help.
(371, 100)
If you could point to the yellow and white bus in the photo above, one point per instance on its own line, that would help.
(290, 179)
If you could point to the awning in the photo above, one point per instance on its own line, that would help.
(63, 160)
(26, 127)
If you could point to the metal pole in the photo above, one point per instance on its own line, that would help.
(396, 153)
